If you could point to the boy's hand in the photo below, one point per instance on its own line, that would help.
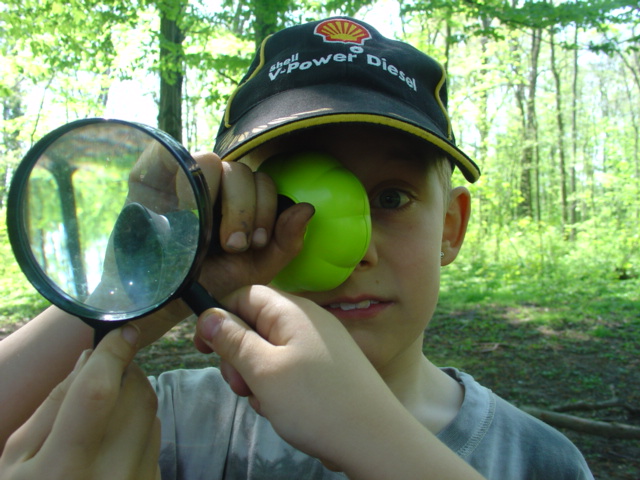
(300, 369)
(99, 423)
(256, 245)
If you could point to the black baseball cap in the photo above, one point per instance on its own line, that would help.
(333, 71)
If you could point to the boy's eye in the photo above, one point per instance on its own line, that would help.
(390, 198)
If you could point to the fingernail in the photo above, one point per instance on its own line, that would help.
(131, 333)
(310, 212)
(237, 241)
(260, 238)
(210, 324)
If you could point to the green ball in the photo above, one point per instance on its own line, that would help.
(339, 233)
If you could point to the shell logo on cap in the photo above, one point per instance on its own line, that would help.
(342, 31)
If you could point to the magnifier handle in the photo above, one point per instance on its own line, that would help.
(215, 247)
(101, 329)
(196, 297)
(199, 299)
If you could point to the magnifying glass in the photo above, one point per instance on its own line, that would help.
(110, 220)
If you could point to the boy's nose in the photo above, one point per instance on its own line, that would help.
(370, 258)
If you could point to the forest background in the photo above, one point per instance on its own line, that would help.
(543, 305)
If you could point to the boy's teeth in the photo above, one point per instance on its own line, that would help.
(353, 306)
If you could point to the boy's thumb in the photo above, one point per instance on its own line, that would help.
(224, 333)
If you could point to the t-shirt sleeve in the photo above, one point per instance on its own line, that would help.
(531, 448)
(503, 442)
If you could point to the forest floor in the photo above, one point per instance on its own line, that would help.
(532, 355)
(538, 364)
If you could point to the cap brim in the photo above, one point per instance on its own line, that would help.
(332, 104)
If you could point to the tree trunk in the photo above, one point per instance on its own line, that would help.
(171, 76)
(573, 207)
(529, 151)
(560, 141)
(265, 20)
(634, 69)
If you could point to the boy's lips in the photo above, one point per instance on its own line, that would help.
(346, 306)
(356, 308)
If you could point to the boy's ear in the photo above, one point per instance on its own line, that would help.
(456, 219)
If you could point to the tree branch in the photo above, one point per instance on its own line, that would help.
(582, 425)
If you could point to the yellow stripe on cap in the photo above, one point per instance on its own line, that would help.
(442, 83)
(469, 170)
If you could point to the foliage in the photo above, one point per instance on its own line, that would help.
(577, 169)
(566, 146)
(65, 35)
(20, 301)
(530, 262)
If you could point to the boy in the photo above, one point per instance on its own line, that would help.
(373, 411)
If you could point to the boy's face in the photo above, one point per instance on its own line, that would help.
(388, 300)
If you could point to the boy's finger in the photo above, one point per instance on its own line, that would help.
(200, 345)
(149, 468)
(232, 339)
(275, 316)
(84, 415)
(291, 226)
(287, 241)
(28, 439)
(211, 168)
(153, 176)
(234, 379)
(132, 422)
(155, 168)
(266, 206)
(266, 318)
(238, 207)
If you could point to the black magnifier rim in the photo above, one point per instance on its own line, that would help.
(19, 238)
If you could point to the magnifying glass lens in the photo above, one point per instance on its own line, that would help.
(106, 218)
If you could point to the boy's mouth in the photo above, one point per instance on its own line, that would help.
(347, 306)
(357, 309)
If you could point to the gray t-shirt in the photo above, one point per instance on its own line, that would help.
(210, 433)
